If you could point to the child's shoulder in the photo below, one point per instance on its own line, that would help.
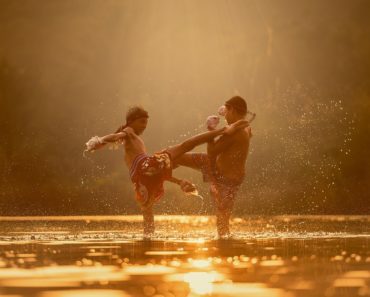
(243, 135)
(129, 130)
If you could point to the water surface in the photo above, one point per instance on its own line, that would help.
(107, 256)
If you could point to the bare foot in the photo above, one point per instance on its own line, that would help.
(187, 186)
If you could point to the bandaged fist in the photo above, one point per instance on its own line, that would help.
(93, 143)
(212, 122)
(222, 110)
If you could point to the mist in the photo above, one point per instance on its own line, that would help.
(69, 70)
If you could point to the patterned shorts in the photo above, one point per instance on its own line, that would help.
(223, 190)
(148, 174)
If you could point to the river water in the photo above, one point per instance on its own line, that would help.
(107, 256)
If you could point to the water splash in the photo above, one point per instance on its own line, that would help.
(195, 193)
(307, 138)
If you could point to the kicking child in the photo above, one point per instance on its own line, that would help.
(148, 173)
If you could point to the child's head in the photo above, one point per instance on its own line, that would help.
(137, 119)
(236, 109)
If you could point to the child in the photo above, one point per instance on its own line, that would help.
(148, 173)
(224, 163)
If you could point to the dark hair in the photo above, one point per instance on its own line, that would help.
(134, 113)
(239, 104)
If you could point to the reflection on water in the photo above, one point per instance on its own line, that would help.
(107, 256)
(201, 283)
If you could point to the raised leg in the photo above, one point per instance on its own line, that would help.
(186, 160)
(189, 144)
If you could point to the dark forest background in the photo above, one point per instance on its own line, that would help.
(69, 70)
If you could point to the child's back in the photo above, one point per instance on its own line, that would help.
(231, 162)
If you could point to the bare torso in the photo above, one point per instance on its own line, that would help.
(134, 146)
(231, 162)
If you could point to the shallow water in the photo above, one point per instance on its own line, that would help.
(107, 256)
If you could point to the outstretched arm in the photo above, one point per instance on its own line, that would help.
(216, 147)
(97, 142)
(120, 136)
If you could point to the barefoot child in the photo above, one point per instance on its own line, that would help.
(224, 164)
(148, 173)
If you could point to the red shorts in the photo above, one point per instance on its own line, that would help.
(148, 174)
(222, 189)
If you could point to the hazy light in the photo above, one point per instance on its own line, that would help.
(272, 263)
(165, 253)
(357, 274)
(149, 270)
(251, 289)
(349, 282)
(62, 276)
(199, 263)
(84, 293)
(201, 282)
